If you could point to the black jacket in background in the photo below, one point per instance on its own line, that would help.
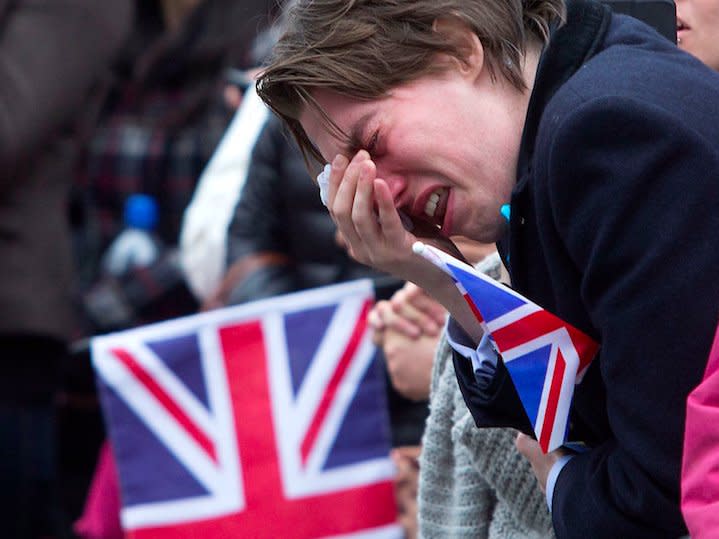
(280, 211)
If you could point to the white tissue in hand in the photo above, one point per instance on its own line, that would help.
(323, 180)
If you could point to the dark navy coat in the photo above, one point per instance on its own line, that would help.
(615, 228)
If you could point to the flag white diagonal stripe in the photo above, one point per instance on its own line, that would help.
(157, 419)
(174, 387)
(343, 399)
(328, 354)
(512, 316)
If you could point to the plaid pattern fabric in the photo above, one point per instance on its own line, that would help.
(144, 146)
(136, 151)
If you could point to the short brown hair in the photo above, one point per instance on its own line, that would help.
(364, 48)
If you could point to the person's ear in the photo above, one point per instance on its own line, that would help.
(467, 42)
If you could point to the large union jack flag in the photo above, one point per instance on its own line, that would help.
(264, 421)
(544, 355)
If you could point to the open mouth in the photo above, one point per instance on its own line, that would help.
(431, 207)
(681, 25)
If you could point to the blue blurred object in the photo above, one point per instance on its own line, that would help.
(136, 245)
(506, 211)
(140, 212)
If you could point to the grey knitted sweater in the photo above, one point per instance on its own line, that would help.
(472, 482)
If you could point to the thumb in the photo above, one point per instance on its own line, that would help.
(527, 446)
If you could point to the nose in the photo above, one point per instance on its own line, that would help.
(397, 184)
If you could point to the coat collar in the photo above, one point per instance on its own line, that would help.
(571, 45)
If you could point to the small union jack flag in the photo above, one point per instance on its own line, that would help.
(266, 420)
(544, 355)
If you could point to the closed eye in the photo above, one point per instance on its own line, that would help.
(371, 146)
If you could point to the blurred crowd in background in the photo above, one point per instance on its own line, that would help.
(142, 180)
(109, 114)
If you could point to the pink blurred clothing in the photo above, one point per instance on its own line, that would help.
(101, 517)
(700, 465)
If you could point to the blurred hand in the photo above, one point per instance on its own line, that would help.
(410, 312)
(415, 307)
(409, 363)
(406, 459)
(407, 327)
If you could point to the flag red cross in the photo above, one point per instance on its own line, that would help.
(267, 512)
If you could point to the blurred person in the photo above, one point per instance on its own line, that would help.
(698, 34)
(162, 116)
(204, 234)
(203, 238)
(697, 24)
(162, 119)
(700, 464)
(52, 57)
(577, 119)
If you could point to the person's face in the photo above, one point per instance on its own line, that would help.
(446, 145)
(698, 29)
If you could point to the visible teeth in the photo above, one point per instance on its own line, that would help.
(431, 205)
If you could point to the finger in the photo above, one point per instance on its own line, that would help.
(337, 172)
(339, 239)
(426, 324)
(363, 213)
(401, 325)
(343, 202)
(374, 318)
(343, 183)
(383, 311)
(528, 447)
(390, 222)
(429, 307)
(413, 302)
(384, 319)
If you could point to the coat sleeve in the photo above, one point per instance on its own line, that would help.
(632, 191)
(50, 55)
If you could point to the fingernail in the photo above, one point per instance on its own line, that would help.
(339, 161)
